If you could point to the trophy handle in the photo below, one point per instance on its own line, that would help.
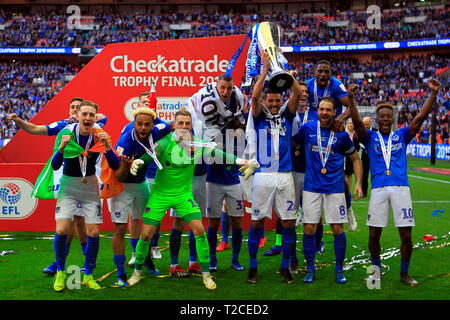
(269, 40)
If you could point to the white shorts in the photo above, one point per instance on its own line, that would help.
(75, 196)
(273, 190)
(399, 197)
(333, 203)
(78, 211)
(216, 193)
(133, 198)
(199, 193)
(247, 187)
(299, 179)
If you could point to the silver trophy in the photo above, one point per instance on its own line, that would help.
(269, 40)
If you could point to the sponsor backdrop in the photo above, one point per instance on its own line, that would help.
(113, 79)
(423, 150)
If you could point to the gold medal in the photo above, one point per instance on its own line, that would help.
(277, 157)
(388, 172)
(323, 170)
(84, 180)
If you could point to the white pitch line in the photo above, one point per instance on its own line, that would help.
(430, 179)
(414, 201)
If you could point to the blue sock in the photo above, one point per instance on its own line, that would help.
(348, 200)
(60, 247)
(192, 247)
(174, 245)
(404, 266)
(294, 257)
(134, 243)
(225, 226)
(212, 241)
(376, 262)
(287, 245)
(119, 260)
(278, 228)
(83, 247)
(319, 235)
(67, 248)
(253, 243)
(155, 239)
(236, 243)
(309, 250)
(91, 253)
(262, 233)
(340, 244)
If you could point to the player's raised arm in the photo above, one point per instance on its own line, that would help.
(258, 88)
(294, 98)
(416, 123)
(358, 169)
(353, 111)
(31, 128)
(124, 168)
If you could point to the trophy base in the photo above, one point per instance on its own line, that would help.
(280, 81)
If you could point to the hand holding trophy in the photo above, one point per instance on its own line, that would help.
(268, 35)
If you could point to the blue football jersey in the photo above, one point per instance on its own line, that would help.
(333, 180)
(224, 173)
(267, 157)
(378, 176)
(298, 161)
(335, 89)
(132, 148)
(160, 129)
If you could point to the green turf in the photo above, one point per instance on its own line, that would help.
(22, 278)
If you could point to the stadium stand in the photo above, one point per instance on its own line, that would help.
(26, 86)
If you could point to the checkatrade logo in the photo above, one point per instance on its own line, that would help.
(15, 200)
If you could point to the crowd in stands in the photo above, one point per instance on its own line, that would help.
(399, 81)
(26, 87)
(302, 28)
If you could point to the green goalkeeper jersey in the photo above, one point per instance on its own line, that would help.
(179, 165)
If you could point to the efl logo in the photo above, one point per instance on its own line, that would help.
(15, 200)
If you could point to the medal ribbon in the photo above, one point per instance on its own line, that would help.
(82, 158)
(324, 94)
(149, 152)
(305, 117)
(323, 158)
(386, 151)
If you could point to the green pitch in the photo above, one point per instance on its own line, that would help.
(22, 277)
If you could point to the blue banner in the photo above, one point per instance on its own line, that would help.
(369, 46)
(405, 44)
(423, 150)
(43, 50)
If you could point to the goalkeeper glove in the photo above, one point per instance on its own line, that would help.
(253, 165)
(135, 165)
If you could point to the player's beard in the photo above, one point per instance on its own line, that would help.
(322, 81)
(142, 135)
(326, 122)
